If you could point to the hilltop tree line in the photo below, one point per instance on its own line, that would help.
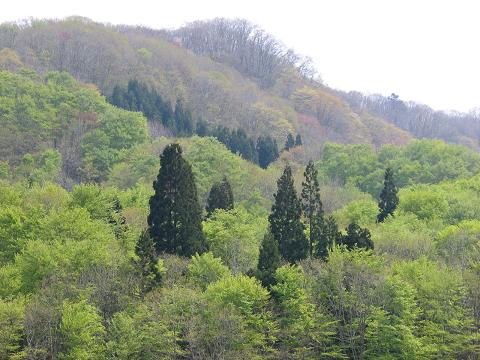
(421, 120)
(179, 121)
(243, 45)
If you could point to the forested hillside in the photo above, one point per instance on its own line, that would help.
(418, 119)
(269, 92)
(199, 194)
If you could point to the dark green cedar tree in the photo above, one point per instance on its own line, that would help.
(286, 220)
(357, 237)
(313, 209)
(388, 197)
(220, 197)
(298, 140)
(268, 260)
(290, 143)
(175, 219)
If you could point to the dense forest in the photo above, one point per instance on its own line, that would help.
(198, 193)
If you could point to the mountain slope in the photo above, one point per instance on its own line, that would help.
(214, 89)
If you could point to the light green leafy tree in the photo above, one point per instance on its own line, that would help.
(11, 328)
(83, 331)
(249, 299)
(139, 334)
(235, 237)
(205, 269)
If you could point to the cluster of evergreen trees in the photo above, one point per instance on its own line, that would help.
(262, 152)
(175, 219)
(292, 142)
(287, 240)
(139, 97)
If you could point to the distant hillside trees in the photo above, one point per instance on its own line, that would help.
(292, 142)
(267, 151)
(139, 97)
(237, 141)
(175, 219)
(298, 140)
(243, 45)
(421, 120)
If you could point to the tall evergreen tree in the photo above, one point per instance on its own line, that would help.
(220, 197)
(312, 206)
(175, 218)
(285, 220)
(290, 143)
(268, 260)
(298, 140)
(356, 237)
(146, 262)
(388, 197)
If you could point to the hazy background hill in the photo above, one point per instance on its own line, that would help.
(227, 72)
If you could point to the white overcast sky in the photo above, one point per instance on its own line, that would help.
(426, 51)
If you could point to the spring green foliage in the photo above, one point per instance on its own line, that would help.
(11, 328)
(80, 279)
(54, 111)
(297, 313)
(420, 162)
(285, 220)
(175, 214)
(139, 334)
(354, 304)
(363, 211)
(245, 296)
(235, 236)
(444, 329)
(82, 331)
(117, 130)
(206, 269)
(35, 111)
(459, 244)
